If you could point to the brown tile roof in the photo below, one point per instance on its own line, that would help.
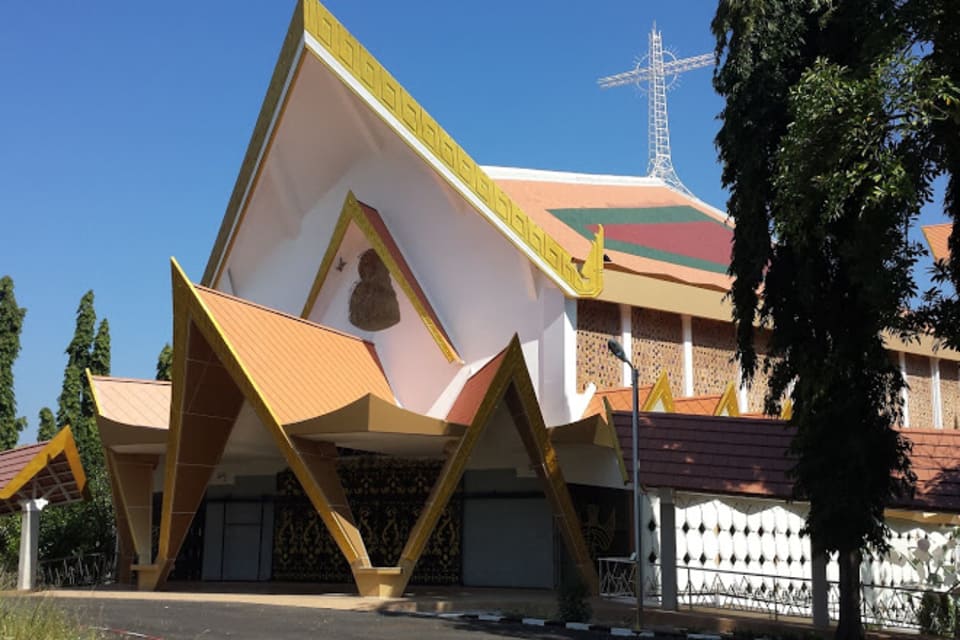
(467, 404)
(937, 236)
(49, 470)
(14, 460)
(744, 456)
(140, 403)
(697, 405)
(537, 197)
(302, 369)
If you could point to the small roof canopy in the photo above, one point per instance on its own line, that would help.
(47, 470)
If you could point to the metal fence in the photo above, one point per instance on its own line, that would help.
(77, 571)
(774, 595)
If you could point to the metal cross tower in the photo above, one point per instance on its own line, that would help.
(653, 79)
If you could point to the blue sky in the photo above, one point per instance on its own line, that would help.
(123, 125)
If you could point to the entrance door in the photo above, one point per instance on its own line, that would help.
(239, 540)
(507, 542)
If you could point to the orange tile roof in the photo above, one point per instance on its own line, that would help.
(619, 399)
(467, 404)
(937, 236)
(697, 405)
(141, 403)
(302, 369)
(537, 197)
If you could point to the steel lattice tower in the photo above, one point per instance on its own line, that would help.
(653, 78)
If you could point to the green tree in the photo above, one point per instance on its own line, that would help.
(70, 402)
(48, 425)
(165, 362)
(11, 323)
(86, 527)
(827, 149)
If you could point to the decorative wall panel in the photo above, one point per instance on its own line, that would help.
(597, 322)
(658, 347)
(714, 346)
(950, 393)
(386, 496)
(921, 388)
(604, 518)
(757, 391)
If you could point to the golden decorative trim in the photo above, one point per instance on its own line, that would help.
(352, 212)
(511, 373)
(320, 23)
(786, 410)
(728, 402)
(189, 306)
(62, 443)
(250, 169)
(660, 394)
(312, 17)
(615, 439)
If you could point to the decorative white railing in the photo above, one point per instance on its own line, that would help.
(776, 596)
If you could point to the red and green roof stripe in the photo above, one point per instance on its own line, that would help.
(679, 235)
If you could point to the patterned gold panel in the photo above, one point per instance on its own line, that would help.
(950, 393)
(921, 391)
(658, 347)
(322, 25)
(386, 496)
(597, 322)
(714, 346)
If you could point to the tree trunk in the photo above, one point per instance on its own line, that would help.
(850, 626)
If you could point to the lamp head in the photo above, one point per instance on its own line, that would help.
(617, 350)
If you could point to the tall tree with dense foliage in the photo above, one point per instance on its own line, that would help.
(48, 425)
(86, 527)
(828, 149)
(165, 363)
(70, 402)
(11, 323)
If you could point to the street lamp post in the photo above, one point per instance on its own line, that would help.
(617, 350)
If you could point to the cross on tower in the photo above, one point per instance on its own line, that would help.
(653, 79)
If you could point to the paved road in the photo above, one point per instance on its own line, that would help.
(171, 620)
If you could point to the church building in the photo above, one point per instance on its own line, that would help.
(395, 369)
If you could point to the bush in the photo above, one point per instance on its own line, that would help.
(938, 614)
(572, 602)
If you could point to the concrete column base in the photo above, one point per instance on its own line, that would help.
(668, 550)
(29, 542)
(821, 592)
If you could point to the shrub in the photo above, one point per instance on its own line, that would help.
(572, 602)
(937, 614)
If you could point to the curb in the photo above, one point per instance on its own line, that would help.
(620, 632)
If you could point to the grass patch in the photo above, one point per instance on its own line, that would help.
(39, 618)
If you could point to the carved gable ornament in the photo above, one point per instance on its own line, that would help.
(373, 302)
